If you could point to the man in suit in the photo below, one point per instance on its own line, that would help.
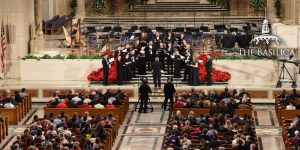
(208, 67)
(120, 70)
(169, 90)
(188, 60)
(144, 91)
(156, 72)
(105, 65)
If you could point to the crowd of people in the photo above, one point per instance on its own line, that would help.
(290, 100)
(93, 100)
(217, 131)
(294, 132)
(156, 53)
(9, 100)
(224, 100)
(60, 132)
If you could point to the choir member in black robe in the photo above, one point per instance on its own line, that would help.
(169, 91)
(105, 65)
(194, 74)
(157, 39)
(208, 66)
(142, 62)
(143, 39)
(169, 38)
(156, 66)
(169, 53)
(177, 64)
(149, 54)
(120, 70)
(118, 52)
(133, 58)
(144, 91)
(127, 68)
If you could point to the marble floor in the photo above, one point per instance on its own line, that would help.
(146, 131)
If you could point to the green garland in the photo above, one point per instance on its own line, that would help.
(257, 4)
(99, 4)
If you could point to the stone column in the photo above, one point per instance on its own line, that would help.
(39, 17)
(80, 9)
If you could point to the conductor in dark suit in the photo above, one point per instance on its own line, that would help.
(105, 65)
(169, 91)
(208, 67)
(156, 71)
(144, 91)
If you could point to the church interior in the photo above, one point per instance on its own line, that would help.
(150, 74)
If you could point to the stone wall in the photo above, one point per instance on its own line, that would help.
(19, 14)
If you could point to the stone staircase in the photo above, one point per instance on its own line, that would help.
(176, 7)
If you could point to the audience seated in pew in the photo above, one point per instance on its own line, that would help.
(211, 132)
(94, 100)
(62, 133)
(213, 99)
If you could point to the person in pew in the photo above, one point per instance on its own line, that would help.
(282, 96)
(23, 92)
(86, 105)
(293, 96)
(9, 105)
(76, 99)
(97, 143)
(62, 104)
(110, 105)
(179, 103)
(18, 98)
(291, 106)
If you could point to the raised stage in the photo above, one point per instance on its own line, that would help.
(257, 76)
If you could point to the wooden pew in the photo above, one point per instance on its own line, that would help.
(16, 114)
(198, 111)
(118, 112)
(3, 128)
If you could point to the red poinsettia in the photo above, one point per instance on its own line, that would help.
(217, 75)
(98, 74)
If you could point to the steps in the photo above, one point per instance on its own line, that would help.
(176, 7)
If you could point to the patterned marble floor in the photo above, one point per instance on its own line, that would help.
(143, 130)
(267, 128)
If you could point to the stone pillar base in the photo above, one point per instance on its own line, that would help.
(37, 45)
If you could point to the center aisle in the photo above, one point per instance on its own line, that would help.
(142, 130)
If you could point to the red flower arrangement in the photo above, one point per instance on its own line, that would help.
(217, 75)
(98, 74)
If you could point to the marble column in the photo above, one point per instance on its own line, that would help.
(80, 9)
(39, 17)
(271, 12)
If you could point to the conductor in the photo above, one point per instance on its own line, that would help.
(169, 90)
(156, 66)
(208, 67)
(144, 91)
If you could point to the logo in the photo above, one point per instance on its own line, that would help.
(266, 37)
